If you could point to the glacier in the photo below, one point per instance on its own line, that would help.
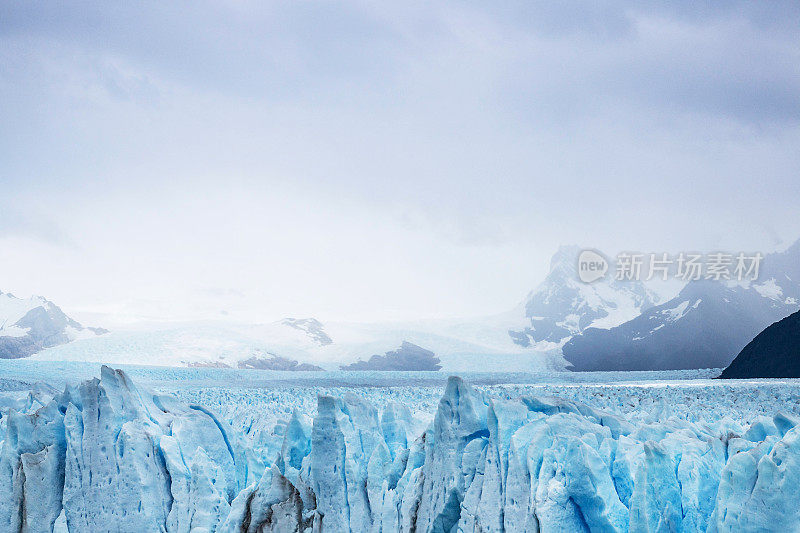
(109, 454)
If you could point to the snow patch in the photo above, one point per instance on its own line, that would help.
(769, 289)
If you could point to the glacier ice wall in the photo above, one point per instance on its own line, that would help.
(110, 456)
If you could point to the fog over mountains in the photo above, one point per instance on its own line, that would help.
(563, 323)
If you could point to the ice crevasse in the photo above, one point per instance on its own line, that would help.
(107, 455)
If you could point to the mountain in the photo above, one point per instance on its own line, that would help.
(704, 326)
(774, 353)
(277, 362)
(30, 325)
(408, 357)
(527, 337)
(311, 327)
(275, 345)
(563, 306)
(474, 344)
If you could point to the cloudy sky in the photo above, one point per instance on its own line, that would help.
(352, 160)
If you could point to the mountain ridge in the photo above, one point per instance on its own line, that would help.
(773, 353)
(704, 326)
(28, 326)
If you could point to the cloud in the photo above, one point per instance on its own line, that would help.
(738, 60)
(365, 153)
(17, 223)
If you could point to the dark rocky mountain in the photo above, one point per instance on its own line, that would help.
(28, 326)
(704, 326)
(408, 357)
(774, 353)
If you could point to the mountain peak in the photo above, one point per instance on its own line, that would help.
(565, 260)
(33, 324)
(563, 306)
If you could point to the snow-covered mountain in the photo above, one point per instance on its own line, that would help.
(201, 344)
(312, 327)
(605, 325)
(704, 326)
(528, 337)
(33, 324)
(563, 306)
(460, 345)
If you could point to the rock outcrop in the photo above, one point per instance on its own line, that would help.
(409, 357)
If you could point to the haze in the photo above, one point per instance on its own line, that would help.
(360, 161)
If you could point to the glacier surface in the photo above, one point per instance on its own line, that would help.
(108, 454)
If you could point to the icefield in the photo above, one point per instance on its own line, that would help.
(109, 454)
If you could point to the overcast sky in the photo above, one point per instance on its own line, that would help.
(365, 161)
